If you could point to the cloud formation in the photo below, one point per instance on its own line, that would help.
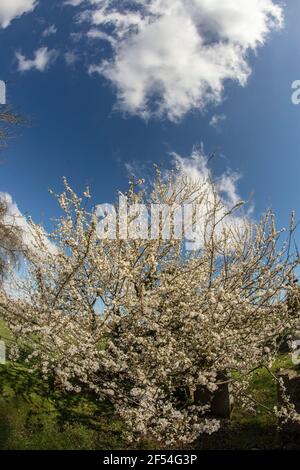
(74, 3)
(15, 218)
(42, 60)
(11, 9)
(222, 191)
(172, 56)
(196, 168)
(49, 31)
(71, 58)
(217, 120)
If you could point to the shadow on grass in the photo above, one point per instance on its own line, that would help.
(34, 415)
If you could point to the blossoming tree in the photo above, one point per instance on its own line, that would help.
(143, 322)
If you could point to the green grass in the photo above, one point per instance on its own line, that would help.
(4, 331)
(34, 416)
(246, 430)
(264, 391)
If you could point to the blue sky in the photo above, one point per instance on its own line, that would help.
(80, 129)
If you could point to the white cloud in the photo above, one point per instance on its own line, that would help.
(10, 9)
(197, 169)
(96, 34)
(43, 58)
(15, 218)
(71, 58)
(49, 31)
(75, 3)
(217, 120)
(222, 190)
(172, 56)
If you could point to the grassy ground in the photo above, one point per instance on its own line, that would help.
(248, 431)
(33, 416)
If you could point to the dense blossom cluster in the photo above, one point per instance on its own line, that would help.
(143, 323)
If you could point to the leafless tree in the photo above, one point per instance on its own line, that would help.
(8, 120)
